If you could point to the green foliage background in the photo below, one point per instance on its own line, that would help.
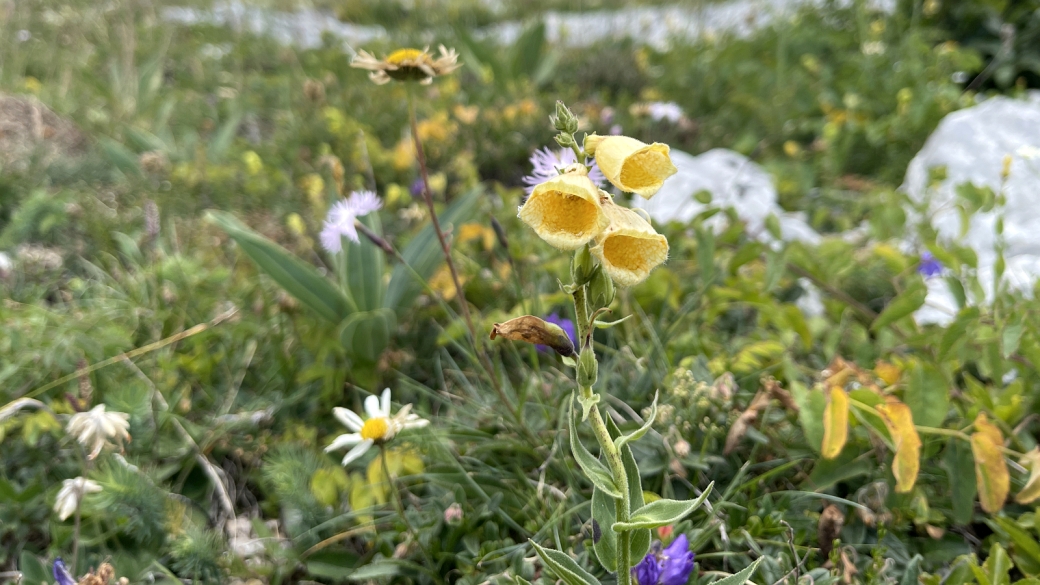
(112, 253)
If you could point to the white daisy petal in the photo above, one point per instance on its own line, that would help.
(384, 402)
(372, 407)
(359, 450)
(349, 418)
(347, 440)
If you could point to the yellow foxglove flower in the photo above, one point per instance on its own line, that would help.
(630, 248)
(634, 166)
(407, 65)
(566, 211)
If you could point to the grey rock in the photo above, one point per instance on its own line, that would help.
(972, 144)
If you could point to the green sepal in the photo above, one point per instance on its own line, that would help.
(639, 542)
(587, 404)
(564, 566)
(638, 433)
(662, 512)
(593, 469)
(609, 324)
(604, 514)
(740, 577)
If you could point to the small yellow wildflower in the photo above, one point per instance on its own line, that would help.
(407, 65)
(254, 164)
(634, 166)
(566, 210)
(630, 248)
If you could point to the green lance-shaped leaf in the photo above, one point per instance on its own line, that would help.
(564, 566)
(638, 433)
(902, 305)
(594, 470)
(662, 512)
(742, 576)
(639, 540)
(298, 278)
(604, 515)
(363, 264)
(366, 334)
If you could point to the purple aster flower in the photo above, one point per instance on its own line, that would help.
(677, 562)
(648, 571)
(563, 323)
(546, 162)
(339, 223)
(61, 573)
(929, 266)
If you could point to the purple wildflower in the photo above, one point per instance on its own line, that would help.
(615, 130)
(677, 562)
(61, 573)
(671, 566)
(929, 266)
(339, 223)
(648, 571)
(563, 323)
(661, 111)
(546, 162)
(417, 188)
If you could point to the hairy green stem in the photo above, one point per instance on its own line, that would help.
(610, 452)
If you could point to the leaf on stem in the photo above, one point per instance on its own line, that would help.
(593, 469)
(835, 423)
(564, 566)
(991, 472)
(662, 512)
(1030, 491)
(907, 460)
(638, 433)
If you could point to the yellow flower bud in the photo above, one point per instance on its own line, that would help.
(634, 166)
(591, 142)
(565, 211)
(630, 248)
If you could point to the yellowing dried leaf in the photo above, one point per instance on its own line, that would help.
(1031, 490)
(907, 460)
(835, 423)
(889, 373)
(991, 472)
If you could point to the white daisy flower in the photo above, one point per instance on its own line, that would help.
(72, 491)
(376, 428)
(96, 428)
(339, 223)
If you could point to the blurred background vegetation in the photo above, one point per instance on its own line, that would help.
(121, 129)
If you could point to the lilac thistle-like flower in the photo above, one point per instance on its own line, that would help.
(676, 562)
(563, 323)
(929, 266)
(546, 162)
(61, 573)
(648, 571)
(339, 223)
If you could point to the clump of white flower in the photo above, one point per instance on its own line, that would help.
(96, 428)
(71, 493)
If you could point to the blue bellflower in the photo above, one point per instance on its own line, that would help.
(671, 566)
(929, 266)
(61, 573)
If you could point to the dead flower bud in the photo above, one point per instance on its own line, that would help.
(829, 528)
(534, 330)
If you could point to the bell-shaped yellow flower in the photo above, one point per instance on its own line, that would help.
(565, 211)
(630, 248)
(634, 166)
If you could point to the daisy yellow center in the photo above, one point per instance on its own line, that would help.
(375, 429)
(402, 55)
